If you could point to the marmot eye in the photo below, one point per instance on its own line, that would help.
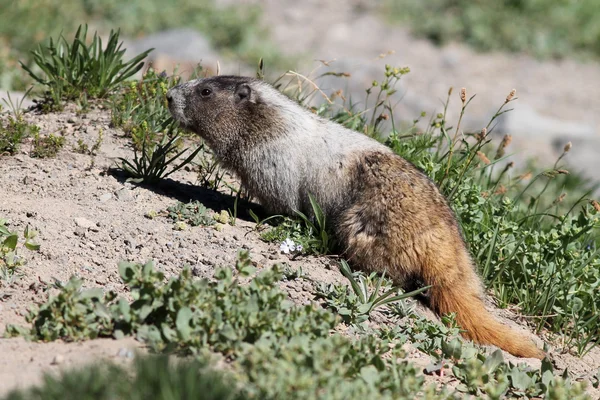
(206, 92)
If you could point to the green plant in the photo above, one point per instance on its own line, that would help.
(140, 109)
(308, 234)
(10, 260)
(151, 165)
(16, 108)
(182, 314)
(12, 134)
(46, 146)
(193, 213)
(83, 148)
(523, 26)
(16, 129)
(73, 314)
(210, 173)
(153, 378)
(72, 69)
(355, 303)
(316, 225)
(275, 349)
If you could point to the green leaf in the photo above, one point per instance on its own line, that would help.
(229, 333)
(11, 241)
(365, 308)
(452, 349)
(126, 271)
(94, 293)
(370, 375)
(32, 246)
(3, 230)
(520, 379)
(493, 361)
(182, 323)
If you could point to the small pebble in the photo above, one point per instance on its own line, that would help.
(85, 223)
(124, 195)
(105, 197)
(125, 353)
(58, 359)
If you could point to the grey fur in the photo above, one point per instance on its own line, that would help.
(281, 154)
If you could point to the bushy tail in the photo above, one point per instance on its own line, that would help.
(479, 325)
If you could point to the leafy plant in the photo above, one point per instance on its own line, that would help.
(310, 232)
(9, 248)
(154, 377)
(46, 146)
(355, 303)
(73, 314)
(276, 349)
(140, 109)
(193, 213)
(151, 165)
(320, 238)
(14, 129)
(371, 301)
(12, 134)
(182, 314)
(71, 69)
(83, 148)
(16, 108)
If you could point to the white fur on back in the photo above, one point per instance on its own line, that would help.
(309, 155)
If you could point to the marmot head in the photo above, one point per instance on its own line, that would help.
(223, 110)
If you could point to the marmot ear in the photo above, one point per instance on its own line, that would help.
(243, 93)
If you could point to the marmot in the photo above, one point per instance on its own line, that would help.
(387, 215)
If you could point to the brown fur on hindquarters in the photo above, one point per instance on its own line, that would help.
(387, 214)
(409, 231)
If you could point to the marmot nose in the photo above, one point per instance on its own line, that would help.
(169, 97)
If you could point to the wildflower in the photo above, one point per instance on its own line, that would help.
(509, 166)
(481, 135)
(559, 199)
(567, 147)
(299, 248)
(501, 190)
(526, 176)
(503, 145)
(483, 158)
(287, 246)
(463, 94)
(511, 95)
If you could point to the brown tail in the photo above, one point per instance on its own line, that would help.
(479, 325)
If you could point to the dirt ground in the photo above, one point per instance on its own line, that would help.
(89, 218)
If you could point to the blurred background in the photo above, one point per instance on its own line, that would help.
(548, 50)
